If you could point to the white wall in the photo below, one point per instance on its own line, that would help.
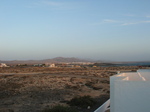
(129, 96)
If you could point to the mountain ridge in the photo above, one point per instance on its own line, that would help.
(66, 60)
(53, 60)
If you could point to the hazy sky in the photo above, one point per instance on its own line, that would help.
(116, 30)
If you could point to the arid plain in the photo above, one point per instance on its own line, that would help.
(33, 89)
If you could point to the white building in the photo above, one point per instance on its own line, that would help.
(52, 65)
(129, 92)
(3, 65)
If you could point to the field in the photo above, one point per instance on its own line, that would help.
(33, 89)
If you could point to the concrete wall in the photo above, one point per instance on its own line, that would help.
(129, 95)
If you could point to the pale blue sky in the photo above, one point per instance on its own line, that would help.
(116, 30)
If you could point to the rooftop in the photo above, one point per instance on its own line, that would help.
(140, 75)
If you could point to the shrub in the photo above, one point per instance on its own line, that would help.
(83, 101)
(60, 108)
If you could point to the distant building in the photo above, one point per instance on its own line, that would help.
(52, 65)
(3, 65)
(94, 66)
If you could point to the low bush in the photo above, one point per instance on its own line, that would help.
(83, 101)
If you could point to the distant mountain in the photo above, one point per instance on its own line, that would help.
(54, 60)
(62, 59)
(65, 60)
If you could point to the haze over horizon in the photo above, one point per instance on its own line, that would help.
(101, 30)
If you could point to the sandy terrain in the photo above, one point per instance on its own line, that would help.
(34, 89)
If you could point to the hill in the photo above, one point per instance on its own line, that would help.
(53, 60)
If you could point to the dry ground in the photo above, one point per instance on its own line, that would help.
(34, 89)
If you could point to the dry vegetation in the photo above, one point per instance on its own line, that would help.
(34, 89)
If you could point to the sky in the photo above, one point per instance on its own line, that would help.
(112, 30)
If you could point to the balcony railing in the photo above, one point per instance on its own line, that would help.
(104, 107)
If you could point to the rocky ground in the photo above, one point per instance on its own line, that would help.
(34, 89)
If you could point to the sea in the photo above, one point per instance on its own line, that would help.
(135, 64)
